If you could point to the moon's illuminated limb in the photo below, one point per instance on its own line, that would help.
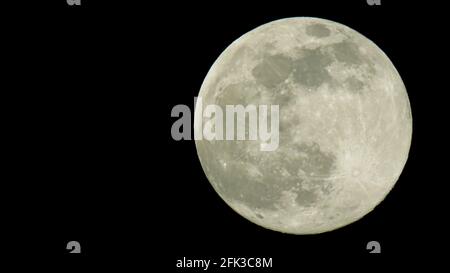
(345, 125)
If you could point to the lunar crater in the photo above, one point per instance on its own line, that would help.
(318, 30)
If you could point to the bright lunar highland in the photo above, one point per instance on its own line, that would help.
(345, 125)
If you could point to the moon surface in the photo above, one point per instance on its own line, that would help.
(345, 125)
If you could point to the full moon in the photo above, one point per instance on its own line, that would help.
(345, 125)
